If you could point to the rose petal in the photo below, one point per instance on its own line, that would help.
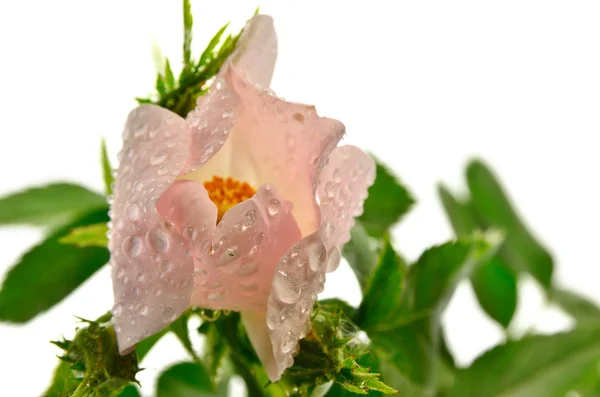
(234, 271)
(215, 113)
(288, 315)
(256, 328)
(151, 275)
(342, 189)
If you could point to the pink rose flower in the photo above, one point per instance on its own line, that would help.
(244, 205)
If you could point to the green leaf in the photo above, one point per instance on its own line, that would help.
(382, 296)
(437, 272)
(494, 283)
(521, 251)
(106, 169)
(87, 236)
(49, 272)
(188, 23)
(360, 253)
(169, 78)
(181, 330)
(388, 200)
(63, 381)
(130, 391)
(584, 311)
(48, 205)
(142, 348)
(539, 365)
(185, 380)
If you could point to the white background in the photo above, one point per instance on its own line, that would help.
(424, 85)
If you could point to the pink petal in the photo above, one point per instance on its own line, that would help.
(237, 271)
(342, 189)
(256, 328)
(244, 132)
(151, 274)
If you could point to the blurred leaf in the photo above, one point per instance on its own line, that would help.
(360, 253)
(169, 78)
(388, 200)
(106, 169)
(521, 251)
(181, 330)
(494, 283)
(539, 365)
(63, 381)
(48, 205)
(185, 380)
(87, 236)
(49, 272)
(188, 23)
(130, 391)
(382, 296)
(584, 311)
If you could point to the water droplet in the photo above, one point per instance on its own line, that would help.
(249, 218)
(141, 278)
(157, 240)
(259, 238)
(132, 211)
(190, 233)
(247, 269)
(288, 342)
(117, 310)
(305, 305)
(157, 292)
(120, 273)
(166, 266)
(271, 321)
(274, 207)
(337, 175)
(162, 171)
(333, 260)
(317, 255)
(286, 288)
(153, 133)
(227, 113)
(330, 189)
(144, 310)
(132, 246)
(328, 229)
(208, 149)
(216, 296)
(295, 251)
(168, 314)
(158, 158)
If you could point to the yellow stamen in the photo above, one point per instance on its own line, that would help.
(226, 193)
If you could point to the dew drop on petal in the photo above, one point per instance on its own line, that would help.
(271, 321)
(317, 255)
(117, 310)
(286, 288)
(166, 266)
(305, 305)
(274, 207)
(249, 218)
(132, 211)
(288, 341)
(141, 278)
(157, 240)
(168, 314)
(158, 158)
(132, 246)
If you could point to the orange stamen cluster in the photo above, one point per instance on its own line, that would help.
(226, 193)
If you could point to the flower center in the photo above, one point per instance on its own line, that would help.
(226, 193)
